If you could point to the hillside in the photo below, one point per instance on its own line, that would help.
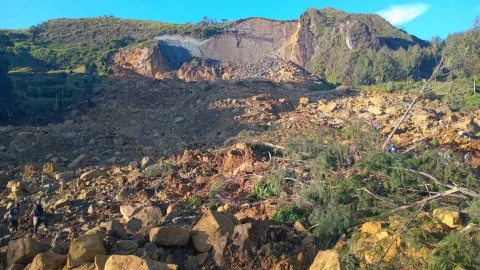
(330, 51)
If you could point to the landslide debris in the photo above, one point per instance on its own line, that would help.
(126, 184)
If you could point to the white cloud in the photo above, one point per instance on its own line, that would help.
(402, 14)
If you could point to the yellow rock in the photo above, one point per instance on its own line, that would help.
(371, 227)
(448, 217)
(326, 260)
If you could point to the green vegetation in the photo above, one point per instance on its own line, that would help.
(67, 44)
(48, 92)
(6, 94)
(271, 185)
(162, 169)
(341, 193)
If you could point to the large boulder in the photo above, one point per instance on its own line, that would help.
(211, 226)
(326, 260)
(84, 249)
(22, 251)
(44, 261)
(116, 228)
(148, 216)
(165, 237)
(131, 262)
(129, 210)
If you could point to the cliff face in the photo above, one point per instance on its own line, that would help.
(321, 41)
(146, 61)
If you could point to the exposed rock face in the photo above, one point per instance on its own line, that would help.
(147, 61)
(248, 41)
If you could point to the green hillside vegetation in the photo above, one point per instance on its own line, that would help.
(383, 53)
(66, 44)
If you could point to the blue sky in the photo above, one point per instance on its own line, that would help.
(424, 19)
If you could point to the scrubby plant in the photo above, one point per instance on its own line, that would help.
(289, 214)
(458, 250)
(162, 169)
(271, 185)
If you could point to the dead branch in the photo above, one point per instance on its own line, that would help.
(432, 77)
(465, 191)
(426, 200)
(273, 145)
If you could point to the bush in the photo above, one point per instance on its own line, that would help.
(458, 250)
(157, 170)
(288, 214)
(271, 185)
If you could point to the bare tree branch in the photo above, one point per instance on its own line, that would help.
(432, 77)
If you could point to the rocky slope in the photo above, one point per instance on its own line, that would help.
(159, 175)
(320, 36)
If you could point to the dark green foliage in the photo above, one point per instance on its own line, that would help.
(473, 211)
(288, 214)
(457, 250)
(156, 170)
(69, 43)
(6, 95)
(47, 92)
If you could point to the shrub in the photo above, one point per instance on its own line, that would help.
(156, 170)
(271, 185)
(457, 250)
(288, 214)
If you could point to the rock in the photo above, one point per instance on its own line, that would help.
(165, 237)
(127, 245)
(303, 101)
(129, 210)
(16, 267)
(87, 195)
(100, 261)
(84, 249)
(92, 175)
(179, 120)
(375, 110)
(44, 261)
(150, 215)
(448, 217)
(61, 203)
(66, 176)
(330, 107)
(131, 262)
(50, 167)
(371, 227)
(91, 209)
(212, 225)
(79, 162)
(22, 251)
(326, 260)
(116, 228)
